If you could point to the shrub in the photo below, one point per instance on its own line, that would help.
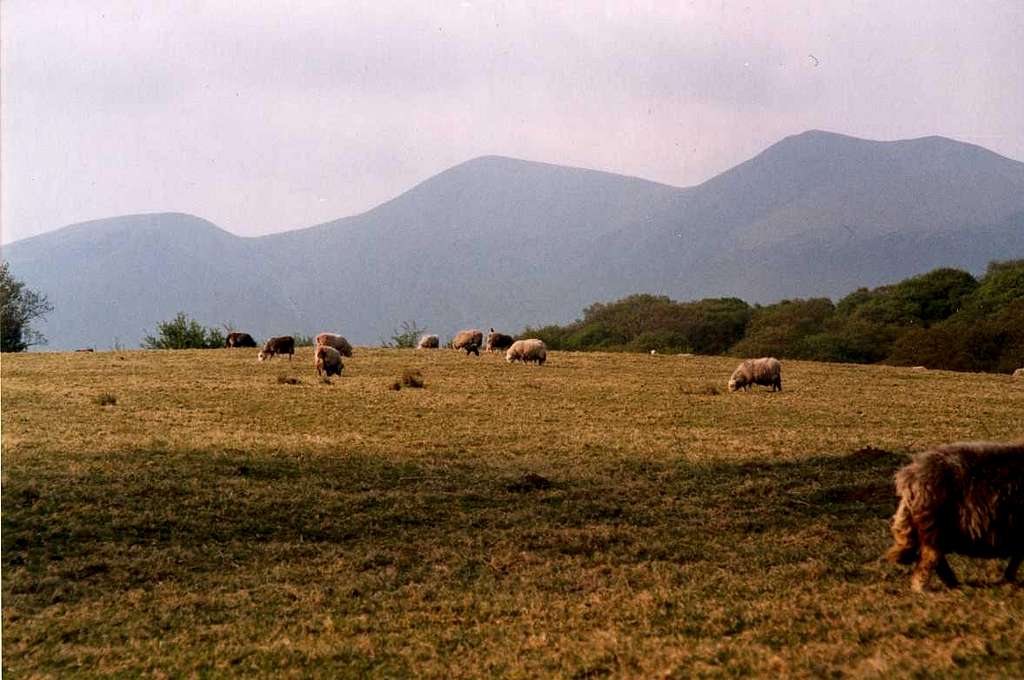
(405, 338)
(182, 332)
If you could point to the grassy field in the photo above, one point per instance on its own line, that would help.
(178, 513)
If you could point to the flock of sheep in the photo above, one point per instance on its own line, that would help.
(965, 498)
(330, 347)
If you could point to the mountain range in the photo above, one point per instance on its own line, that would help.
(507, 243)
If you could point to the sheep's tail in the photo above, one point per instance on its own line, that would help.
(905, 548)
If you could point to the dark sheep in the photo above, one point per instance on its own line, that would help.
(282, 344)
(965, 498)
(239, 340)
(497, 341)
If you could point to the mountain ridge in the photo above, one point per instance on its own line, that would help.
(509, 242)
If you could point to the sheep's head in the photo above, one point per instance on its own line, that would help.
(262, 355)
(732, 385)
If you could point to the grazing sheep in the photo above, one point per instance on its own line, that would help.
(239, 340)
(327, 361)
(497, 341)
(336, 341)
(527, 351)
(470, 341)
(965, 498)
(282, 344)
(428, 342)
(1019, 373)
(764, 371)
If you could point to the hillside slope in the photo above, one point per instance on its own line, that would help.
(504, 242)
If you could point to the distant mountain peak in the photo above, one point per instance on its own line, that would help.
(507, 242)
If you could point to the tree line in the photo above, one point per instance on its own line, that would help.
(945, 319)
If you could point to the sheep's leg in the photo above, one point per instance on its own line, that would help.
(929, 560)
(1011, 569)
(945, 572)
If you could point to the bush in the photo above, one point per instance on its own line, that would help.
(407, 338)
(183, 333)
(553, 335)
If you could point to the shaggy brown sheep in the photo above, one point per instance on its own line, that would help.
(965, 498)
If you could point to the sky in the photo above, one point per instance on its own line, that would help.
(268, 116)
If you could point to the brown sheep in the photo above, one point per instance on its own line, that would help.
(239, 340)
(470, 341)
(428, 342)
(327, 361)
(497, 341)
(336, 341)
(764, 371)
(282, 344)
(527, 351)
(965, 498)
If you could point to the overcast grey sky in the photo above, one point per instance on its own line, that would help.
(268, 116)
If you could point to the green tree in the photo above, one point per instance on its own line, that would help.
(182, 332)
(782, 329)
(19, 307)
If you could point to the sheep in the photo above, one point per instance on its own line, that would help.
(327, 361)
(236, 339)
(764, 371)
(1019, 373)
(282, 344)
(336, 341)
(497, 341)
(470, 341)
(531, 350)
(428, 342)
(965, 498)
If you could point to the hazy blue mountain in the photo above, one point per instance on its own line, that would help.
(504, 242)
(821, 214)
(112, 280)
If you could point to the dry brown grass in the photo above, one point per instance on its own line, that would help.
(218, 521)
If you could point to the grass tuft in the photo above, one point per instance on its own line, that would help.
(106, 399)
(531, 481)
(410, 377)
(288, 380)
